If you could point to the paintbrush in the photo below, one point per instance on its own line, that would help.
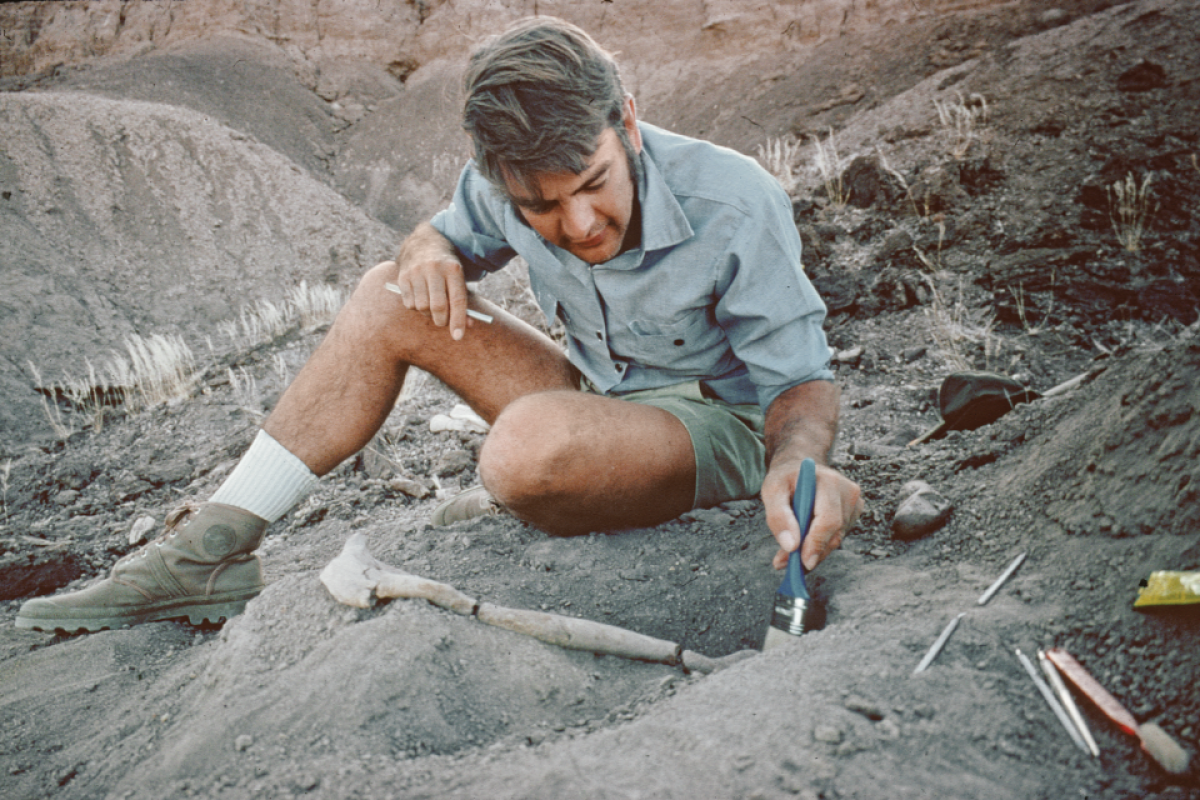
(1156, 742)
(795, 610)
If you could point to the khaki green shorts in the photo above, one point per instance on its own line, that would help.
(726, 438)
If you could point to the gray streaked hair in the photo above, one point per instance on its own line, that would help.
(539, 96)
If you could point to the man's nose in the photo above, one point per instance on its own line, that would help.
(578, 218)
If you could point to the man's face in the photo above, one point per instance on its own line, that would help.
(588, 214)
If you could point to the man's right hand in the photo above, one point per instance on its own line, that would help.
(430, 279)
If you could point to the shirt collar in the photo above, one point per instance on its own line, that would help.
(663, 222)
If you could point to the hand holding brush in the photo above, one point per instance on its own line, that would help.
(795, 611)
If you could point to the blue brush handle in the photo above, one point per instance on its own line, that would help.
(803, 501)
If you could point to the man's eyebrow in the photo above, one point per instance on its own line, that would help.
(597, 172)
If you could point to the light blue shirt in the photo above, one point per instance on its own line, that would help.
(715, 292)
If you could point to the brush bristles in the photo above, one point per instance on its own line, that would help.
(1159, 745)
(776, 637)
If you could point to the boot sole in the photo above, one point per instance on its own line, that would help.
(213, 611)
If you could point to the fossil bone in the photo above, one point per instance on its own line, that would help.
(356, 578)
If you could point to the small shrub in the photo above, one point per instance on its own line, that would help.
(1130, 208)
(779, 157)
(958, 330)
(962, 119)
(830, 167)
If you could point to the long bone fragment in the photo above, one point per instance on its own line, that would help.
(356, 578)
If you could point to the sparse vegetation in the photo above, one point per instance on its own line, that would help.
(934, 262)
(830, 167)
(962, 119)
(245, 391)
(958, 330)
(1021, 303)
(161, 369)
(5, 472)
(156, 370)
(263, 321)
(779, 157)
(316, 305)
(1130, 207)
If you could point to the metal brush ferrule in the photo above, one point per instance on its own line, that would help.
(789, 613)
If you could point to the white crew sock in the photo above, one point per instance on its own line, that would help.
(268, 480)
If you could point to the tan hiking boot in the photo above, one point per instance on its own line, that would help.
(202, 568)
(474, 502)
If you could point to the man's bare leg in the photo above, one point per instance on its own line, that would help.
(350, 384)
(564, 460)
(571, 463)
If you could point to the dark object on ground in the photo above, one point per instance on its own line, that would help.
(971, 399)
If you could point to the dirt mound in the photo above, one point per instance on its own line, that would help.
(123, 217)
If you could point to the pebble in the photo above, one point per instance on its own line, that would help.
(923, 511)
(707, 516)
(454, 461)
(141, 526)
(827, 734)
(409, 488)
(860, 705)
(243, 742)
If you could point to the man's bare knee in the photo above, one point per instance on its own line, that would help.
(526, 452)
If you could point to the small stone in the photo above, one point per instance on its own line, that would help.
(861, 705)
(827, 734)
(141, 526)
(453, 462)
(850, 357)
(707, 516)
(66, 497)
(888, 730)
(243, 742)
(866, 450)
(409, 488)
(921, 514)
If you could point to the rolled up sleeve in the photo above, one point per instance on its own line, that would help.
(768, 308)
(473, 222)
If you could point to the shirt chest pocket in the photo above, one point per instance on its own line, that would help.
(679, 344)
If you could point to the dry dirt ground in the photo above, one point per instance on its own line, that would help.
(1001, 255)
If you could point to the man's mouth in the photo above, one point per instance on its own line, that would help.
(588, 244)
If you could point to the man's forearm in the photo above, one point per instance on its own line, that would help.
(802, 423)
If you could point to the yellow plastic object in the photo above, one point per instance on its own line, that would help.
(1169, 589)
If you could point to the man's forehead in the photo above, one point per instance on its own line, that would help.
(528, 189)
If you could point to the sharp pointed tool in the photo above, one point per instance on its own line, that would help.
(795, 609)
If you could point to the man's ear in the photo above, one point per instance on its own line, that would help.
(629, 120)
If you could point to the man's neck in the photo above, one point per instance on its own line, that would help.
(633, 234)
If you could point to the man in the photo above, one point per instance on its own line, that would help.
(675, 268)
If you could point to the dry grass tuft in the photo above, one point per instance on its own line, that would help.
(264, 321)
(962, 119)
(1130, 207)
(958, 330)
(779, 157)
(829, 164)
(156, 370)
